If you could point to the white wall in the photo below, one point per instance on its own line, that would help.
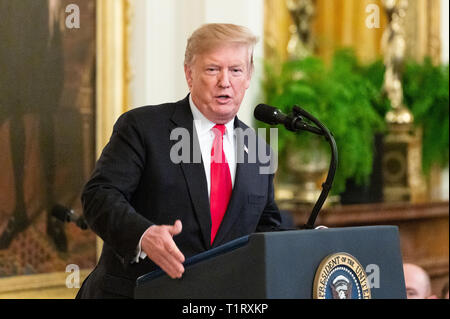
(153, 54)
(159, 34)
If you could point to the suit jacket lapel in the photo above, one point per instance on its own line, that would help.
(194, 173)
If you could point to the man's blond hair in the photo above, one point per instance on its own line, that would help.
(212, 35)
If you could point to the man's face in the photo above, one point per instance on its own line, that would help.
(416, 283)
(218, 80)
(415, 291)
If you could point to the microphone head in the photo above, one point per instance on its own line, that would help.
(268, 114)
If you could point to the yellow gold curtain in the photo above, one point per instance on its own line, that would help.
(276, 29)
(342, 23)
(422, 30)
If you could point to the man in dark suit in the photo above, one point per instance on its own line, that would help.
(151, 208)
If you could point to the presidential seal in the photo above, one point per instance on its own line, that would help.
(341, 276)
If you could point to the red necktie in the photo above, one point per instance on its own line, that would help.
(220, 181)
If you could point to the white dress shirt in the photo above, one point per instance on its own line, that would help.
(203, 127)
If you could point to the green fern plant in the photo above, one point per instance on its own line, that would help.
(340, 97)
(426, 94)
(347, 97)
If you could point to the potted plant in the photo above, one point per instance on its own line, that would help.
(347, 97)
(426, 94)
(341, 97)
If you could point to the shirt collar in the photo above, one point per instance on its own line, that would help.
(204, 125)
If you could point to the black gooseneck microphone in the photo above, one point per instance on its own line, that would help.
(294, 122)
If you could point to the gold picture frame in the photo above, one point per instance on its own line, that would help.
(113, 29)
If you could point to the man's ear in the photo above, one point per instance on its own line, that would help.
(188, 75)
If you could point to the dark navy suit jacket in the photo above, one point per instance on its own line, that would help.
(135, 184)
